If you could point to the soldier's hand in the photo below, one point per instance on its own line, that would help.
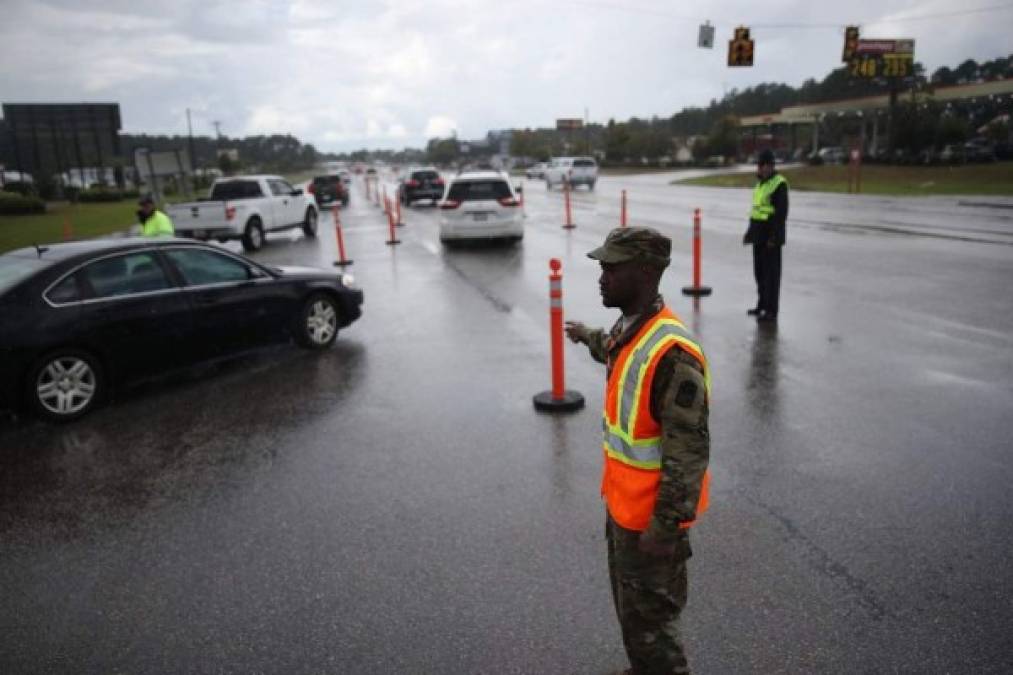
(651, 546)
(576, 331)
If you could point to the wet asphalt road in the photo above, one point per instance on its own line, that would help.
(395, 504)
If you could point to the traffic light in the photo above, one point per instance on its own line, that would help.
(850, 43)
(740, 48)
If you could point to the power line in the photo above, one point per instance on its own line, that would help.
(792, 25)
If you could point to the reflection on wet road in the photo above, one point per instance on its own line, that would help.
(394, 504)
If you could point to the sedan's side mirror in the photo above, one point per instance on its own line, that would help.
(257, 273)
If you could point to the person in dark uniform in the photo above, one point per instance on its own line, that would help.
(767, 235)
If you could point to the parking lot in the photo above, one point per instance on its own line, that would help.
(395, 504)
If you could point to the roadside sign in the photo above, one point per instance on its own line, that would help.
(706, 37)
(850, 43)
(569, 124)
(883, 58)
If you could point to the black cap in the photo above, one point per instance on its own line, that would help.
(146, 199)
(766, 157)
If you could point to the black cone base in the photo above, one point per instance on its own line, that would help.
(342, 263)
(570, 402)
(697, 291)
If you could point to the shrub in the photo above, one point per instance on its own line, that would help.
(100, 195)
(14, 204)
(20, 187)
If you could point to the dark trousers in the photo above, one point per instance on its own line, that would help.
(649, 593)
(767, 270)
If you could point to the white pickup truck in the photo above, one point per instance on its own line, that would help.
(572, 170)
(246, 207)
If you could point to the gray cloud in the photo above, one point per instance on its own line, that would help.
(347, 75)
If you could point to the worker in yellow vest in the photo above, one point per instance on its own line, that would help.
(656, 445)
(154, 223)
(766, 233)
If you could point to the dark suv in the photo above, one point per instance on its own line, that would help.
(420, 184)
(329, 189)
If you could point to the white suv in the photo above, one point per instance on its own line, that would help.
(572, 170)
(480, 205)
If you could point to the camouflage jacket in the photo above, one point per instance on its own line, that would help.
(685, 439)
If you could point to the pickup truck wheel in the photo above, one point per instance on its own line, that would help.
(65, 385)
(318, 322)
(590, 186)
(309, 226)
(253, 236)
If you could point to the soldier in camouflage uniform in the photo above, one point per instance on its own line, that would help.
(647, 568)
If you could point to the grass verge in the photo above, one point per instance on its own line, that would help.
(973, 179)
(85, 220)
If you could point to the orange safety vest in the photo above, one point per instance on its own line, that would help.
(632, 437)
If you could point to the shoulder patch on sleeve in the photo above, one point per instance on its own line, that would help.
(686, 395)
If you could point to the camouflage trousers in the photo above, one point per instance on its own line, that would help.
(649, 593)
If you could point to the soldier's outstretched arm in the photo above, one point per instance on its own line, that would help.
(594, 338)
(682, 411)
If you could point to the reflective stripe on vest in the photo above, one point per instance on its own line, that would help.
(619, 440)
(763, 209)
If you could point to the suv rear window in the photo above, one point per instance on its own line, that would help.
(327, 180)
(236, 189)
(477, 190)
(583, 162)
(425, 175)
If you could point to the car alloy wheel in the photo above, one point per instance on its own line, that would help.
(321, 322)
(66, 386)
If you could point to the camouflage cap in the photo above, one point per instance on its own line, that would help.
(644, 244)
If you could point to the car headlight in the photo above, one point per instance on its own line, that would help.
(347, 280)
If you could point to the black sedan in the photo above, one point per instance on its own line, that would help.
(78, 319)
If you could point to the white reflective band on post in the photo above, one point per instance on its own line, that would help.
(643, 456)
(555, 284)
(555, 303)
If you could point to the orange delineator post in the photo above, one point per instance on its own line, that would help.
(696, 289)
(369, 194)
(342, 260)
(622, 211)
(390, 222)
(566, 198)
(397, 212)
(558, 399)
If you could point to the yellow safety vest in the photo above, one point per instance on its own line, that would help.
(763, 209)
(158, 225)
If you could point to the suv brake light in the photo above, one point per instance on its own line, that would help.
(230, 212)
(312, 188)
(508, 201)
(438, 181)
(412, 183)
(449, 204)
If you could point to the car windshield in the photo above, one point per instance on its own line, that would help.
(425, 175)
(236, 189)
(326, 180)
(478, 190)
(583, 162)
(16, 268)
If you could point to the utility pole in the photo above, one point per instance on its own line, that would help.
(587, 134)
(189, 135)
(218, 131)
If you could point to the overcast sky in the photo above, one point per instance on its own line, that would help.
(345, 75)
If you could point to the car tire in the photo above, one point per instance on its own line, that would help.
(590, 186)
(309, 225)
(317, 323)
(253, 235)
(65, 385)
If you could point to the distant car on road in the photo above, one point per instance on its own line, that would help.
(953, 154)
(536, 170)
(83, 318)
(328, 190)
(481, 205)
(245, 208)
(979, 150)
(572, 170)
(833, 155)
(420, 183)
